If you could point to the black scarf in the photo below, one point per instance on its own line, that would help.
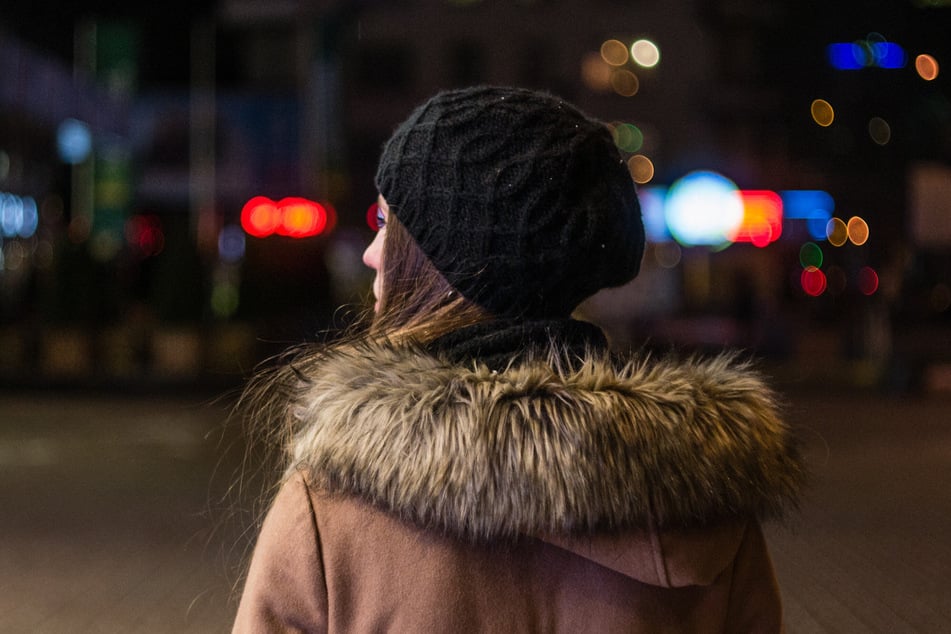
(499, 342)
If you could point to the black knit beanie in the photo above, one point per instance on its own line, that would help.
(521, 201)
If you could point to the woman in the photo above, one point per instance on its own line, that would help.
(480, 462)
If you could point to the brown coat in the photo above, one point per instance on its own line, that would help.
(429, 497)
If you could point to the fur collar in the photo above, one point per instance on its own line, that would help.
(535, 450)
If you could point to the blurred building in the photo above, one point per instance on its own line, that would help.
(210, 105)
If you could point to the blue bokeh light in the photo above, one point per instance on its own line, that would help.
(888, 55)
(865, 54)
(846, 56)
(18, 216)
(74, 141)
(812, 205)
(231, 243)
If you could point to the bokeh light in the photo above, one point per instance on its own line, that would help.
(645, 53)
(836, 280)
(372, 211)
(231, 243)
(837, 232)
(812, 205)
(888, 55)
(703, 207)
(595, 72)
(18, 216)
(624, 82)
(813, 281)
(614, 52)
(294, 217)
(13, 257)
(847, 55)
(143, 233)
(857, 230)
(641, 168)
(73, 141)
(879, 130)
(260, 217)
(628, 137)
(822, 112)
(810, 255)
(652, 212)
(874, 51)
(224, 299)
(104, 245)
(667, 254)
(926, 66)
(867, 280)
(301, 218)
(762, 218)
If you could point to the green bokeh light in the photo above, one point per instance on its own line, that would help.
(810, 255)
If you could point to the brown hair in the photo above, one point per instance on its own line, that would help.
(417, 302)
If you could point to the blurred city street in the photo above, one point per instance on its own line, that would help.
(115, 517)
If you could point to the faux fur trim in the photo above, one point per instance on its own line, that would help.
(532, 450)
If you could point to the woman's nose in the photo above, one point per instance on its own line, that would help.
(371, 257)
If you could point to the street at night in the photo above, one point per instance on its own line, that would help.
(116, 516)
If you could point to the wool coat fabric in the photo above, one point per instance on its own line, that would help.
(431, 495)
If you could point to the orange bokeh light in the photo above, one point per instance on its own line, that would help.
(762, 218)
(294, 217)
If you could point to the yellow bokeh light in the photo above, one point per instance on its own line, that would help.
(822, 112)
(858, 230)
(837, 232)
(926, 66)
(595, 72)
(614, 52)
(624, 82)
(645, 53)
(879, 130)
(642, 169)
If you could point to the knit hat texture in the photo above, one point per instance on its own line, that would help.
(519, 199)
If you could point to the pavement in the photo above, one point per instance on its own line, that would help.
(117, 514)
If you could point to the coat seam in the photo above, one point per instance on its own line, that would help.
(318, 546)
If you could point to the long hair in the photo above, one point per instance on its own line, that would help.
(417, 302)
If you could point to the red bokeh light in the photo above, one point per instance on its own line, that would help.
(762, 218)
(813, 281)
(371, 216)
(294, 217)
(868, 280)
(259, 217)
(144, 234)
(300, 218)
